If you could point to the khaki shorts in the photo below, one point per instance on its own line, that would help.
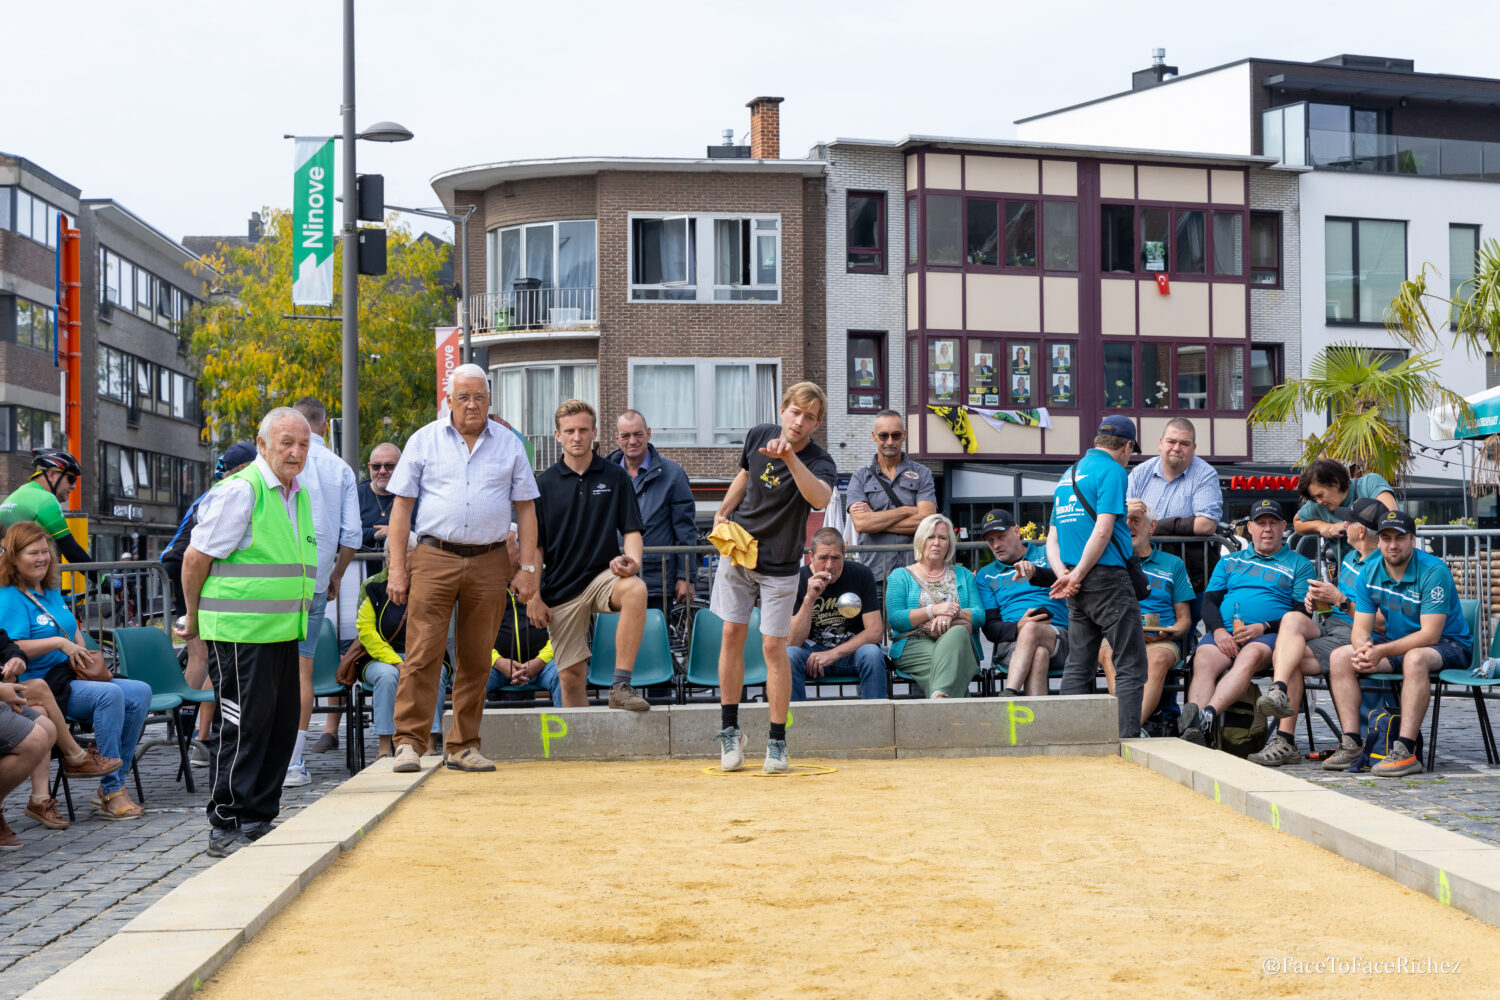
(569, 628)
(736, 590)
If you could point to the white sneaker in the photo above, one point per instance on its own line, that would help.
(731, 748)
(297, 776)
(407, 759)
(776, 762)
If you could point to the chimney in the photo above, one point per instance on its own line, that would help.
(1141, 79)
(257, 228)
(765, 128)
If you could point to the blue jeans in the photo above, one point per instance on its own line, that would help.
(117, 710)
(868, 661)
(382, 679)
(309, 646)
(498, 683)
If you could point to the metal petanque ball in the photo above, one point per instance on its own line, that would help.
(849, 605)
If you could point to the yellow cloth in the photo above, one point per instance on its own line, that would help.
(736, 544)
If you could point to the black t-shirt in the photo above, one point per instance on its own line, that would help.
(829, 628)
(579, 520)
(774, 510)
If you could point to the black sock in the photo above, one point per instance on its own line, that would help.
(1207, 718)
(778, 731)
(622, 677)
(1010, 693)
(729, 716)
(1280, 685)
(1402, 747)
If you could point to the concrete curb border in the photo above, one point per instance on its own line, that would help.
(168, 951)
(1455, 870)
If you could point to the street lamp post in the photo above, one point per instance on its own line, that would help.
(463, 256)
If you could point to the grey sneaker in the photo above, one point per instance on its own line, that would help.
(1278, 752)
(198, 755)
(1348, 752)
(624, 696)
(776, 762)
(731, 748)
(323, 743)
(1401, 760)
(1275, 704)
(1190, 725)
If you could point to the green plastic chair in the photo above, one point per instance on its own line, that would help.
(146, 655)
(326, 685)
(653, 662)
(1476, 686)
(703, 653)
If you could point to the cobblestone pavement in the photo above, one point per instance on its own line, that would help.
(66, 891)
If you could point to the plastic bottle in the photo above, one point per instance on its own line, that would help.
(1236, 623)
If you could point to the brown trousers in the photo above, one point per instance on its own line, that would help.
(439, 581)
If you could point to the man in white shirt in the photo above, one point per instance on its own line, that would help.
(336, 525)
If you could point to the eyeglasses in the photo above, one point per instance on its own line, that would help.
(890, 435)
(467, 400)
(382, 466)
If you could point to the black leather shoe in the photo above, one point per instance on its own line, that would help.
(254, 831)
(222, 842)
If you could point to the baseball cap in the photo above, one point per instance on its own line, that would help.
(1396, 520)
(1263, 507)
(1365, 511)
(1120, 426)
(234, 456)
(996, 520)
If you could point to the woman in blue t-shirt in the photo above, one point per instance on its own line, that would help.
(1325, 486)
(33, 612)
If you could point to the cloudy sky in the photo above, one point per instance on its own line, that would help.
(176, 108)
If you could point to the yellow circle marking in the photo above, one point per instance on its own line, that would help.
(797, 771)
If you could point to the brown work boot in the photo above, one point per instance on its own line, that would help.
(624, 696)
(8, 839)
(93, 765)
(45, 812)
(469, 759)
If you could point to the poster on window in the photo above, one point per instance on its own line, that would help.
(1062, 389)
(1020, 360)
(864, 371)
(1062, 357)
(1020, 390)
(944, 385)
(943, 354)
(1156, 255)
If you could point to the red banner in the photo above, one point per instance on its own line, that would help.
(448, 355)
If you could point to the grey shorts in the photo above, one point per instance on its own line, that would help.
(1059, 653)
(1335, 634)
(15, 727)
(736, 590)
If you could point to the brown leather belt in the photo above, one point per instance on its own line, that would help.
(467, 551)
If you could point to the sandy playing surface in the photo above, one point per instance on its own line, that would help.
(988, 878)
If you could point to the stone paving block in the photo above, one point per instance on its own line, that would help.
(239, 898)
(1002, 722)
(1049, 750)
(1219, 776)
(828, 728)
(1466, 878)
(306, 861)
(575, 734)
(144, 966)
(342, 820)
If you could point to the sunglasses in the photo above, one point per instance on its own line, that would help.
(890, 435)
(379, 466)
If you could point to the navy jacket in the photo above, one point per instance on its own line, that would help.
(667, 510)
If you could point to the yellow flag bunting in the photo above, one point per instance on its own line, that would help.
(957, 419)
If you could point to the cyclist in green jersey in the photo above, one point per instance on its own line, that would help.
(57, 472)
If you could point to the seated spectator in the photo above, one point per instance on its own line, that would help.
(1028, 626)
(381, 626)
(1253, 588)
(1166, 613)
(1325, 486)
(34, 614)
(1310, 635)
(523, 652)
(25, 751)
(1425, 632)
(824, 643)
(932, 606)
(78, 761)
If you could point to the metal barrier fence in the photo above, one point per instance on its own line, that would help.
(108, 595)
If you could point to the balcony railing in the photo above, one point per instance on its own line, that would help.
(535, 309)
(545, 451)
(1285, 136)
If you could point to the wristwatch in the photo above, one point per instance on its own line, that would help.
(528, 568)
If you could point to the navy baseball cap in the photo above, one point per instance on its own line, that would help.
(1120, 426)
(236, 455)
(1366, 511)
(1263, 507)
(1396, 520)
(996, 520)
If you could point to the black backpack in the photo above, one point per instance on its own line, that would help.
(1242, 730)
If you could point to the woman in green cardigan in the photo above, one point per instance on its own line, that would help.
(931, 607)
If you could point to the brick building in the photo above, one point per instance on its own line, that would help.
(692, 290)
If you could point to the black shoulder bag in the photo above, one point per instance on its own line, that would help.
(1138, 580)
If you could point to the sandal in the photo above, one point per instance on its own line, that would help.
(44, 811)
(109, 807)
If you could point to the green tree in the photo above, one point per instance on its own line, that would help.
(252, 357)
(1472, 314)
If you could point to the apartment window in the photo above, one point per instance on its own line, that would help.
(145, 385)
(944, 230)
(1265, 249)
(23, 428)
(27, 215)
(867, 379)
(34, 324)
(1364, 265)
(865, 234)
(1117, 239)
(1265, 369)
(1229, 244)
(527, 396)
(1491, 369)
(742, 254)
(561, 257)
(983, 236)
(912, 233)
(1152, 375)
(913, 373)
(1463, 261)
(1060, 235)
(736, 395)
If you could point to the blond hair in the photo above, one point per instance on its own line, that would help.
(569, 407)
(924, 532)
(804, 394)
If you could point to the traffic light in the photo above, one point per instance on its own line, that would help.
(369, 203)
(372, 251)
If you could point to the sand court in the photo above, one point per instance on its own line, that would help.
(988, 878)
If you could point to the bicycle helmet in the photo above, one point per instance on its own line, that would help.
(48, 459)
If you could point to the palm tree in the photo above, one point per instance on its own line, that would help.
(1352, 385)
(1473, 314)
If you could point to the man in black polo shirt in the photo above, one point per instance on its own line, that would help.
(586, 506)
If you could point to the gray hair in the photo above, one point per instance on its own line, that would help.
(275, 417)
(467, 371)
(924, 532)
(1149, 511)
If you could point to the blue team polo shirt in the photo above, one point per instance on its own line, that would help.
(1261, 588)
(999, 587)
(1351, 569)
(21, 619)
(1426, 588)
(1102, 480)
(1169, 586)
